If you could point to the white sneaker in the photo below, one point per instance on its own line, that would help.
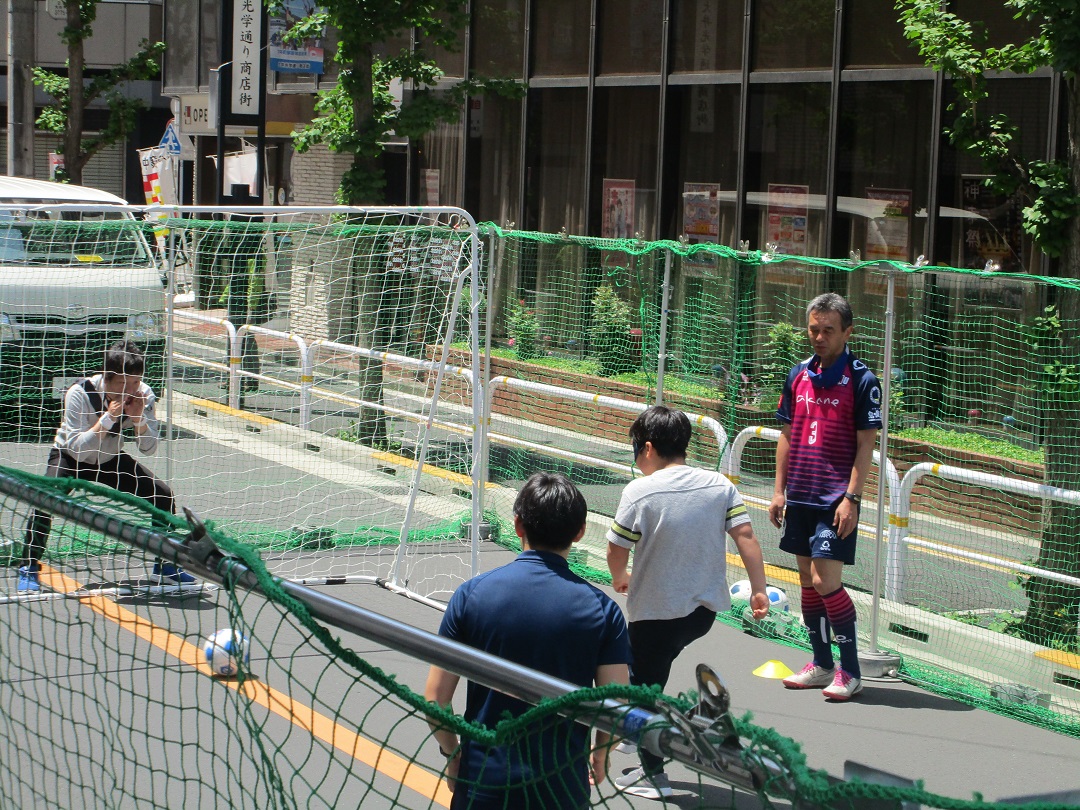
(843, 687)
(636, 783)
(626, 747)
(810, 677)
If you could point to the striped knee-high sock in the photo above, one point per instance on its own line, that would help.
(841, 614)
(817, 625)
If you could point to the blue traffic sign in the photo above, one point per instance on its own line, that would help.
(169, 142)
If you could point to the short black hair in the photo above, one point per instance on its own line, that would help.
(124, 357)
(552, 511)
(667, 428)
(832, 302)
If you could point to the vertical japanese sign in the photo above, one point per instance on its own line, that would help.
(617, 218)
(702, 107)
(247, 66)
(993, 233)
(56, 162)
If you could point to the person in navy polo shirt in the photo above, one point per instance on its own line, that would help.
(537, 613)
(831, 411)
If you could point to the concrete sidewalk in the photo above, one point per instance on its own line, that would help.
(954, 749)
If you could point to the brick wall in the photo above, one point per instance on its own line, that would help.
(976, 506)
(315, 176)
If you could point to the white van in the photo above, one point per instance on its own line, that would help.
(71, 283)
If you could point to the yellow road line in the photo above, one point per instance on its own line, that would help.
(410, 774)
(430, 469)
(1060, 657)
(225, 409)
(378, 455)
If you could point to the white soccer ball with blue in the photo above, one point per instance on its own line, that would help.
(741, 590)
(224, 651)
(777, 599)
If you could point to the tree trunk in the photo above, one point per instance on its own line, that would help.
(1052, 611)
(367, 279)
(73, 157)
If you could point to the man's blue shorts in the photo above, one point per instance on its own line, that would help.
(808, 532)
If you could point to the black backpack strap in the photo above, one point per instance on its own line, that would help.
(96, 400)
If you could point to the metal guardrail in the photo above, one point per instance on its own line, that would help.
(901, 514)
(308, 389)
(899, 502)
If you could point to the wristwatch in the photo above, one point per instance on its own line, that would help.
(851, 496)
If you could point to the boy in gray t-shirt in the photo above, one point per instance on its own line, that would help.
(674, 519)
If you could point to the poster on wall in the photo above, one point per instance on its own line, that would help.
(294, 57)
(786, 223)
(888, 237)
(618, 213)
(785, 227)
(993, 233)
(701, 221)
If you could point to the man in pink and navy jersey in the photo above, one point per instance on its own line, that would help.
(830, 412)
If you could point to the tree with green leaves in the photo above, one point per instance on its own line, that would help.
(358, 114)
(72, 93)
(1048, 190)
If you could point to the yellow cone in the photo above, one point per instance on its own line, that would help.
(773, 669)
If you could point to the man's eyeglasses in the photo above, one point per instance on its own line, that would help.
(637, 448)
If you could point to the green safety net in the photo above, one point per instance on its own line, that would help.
(110, 702)
(979, 581)
(979, 569)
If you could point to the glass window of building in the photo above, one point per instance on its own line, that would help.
(450, 60)
(708, 36)
(997, 20)
(700, 206)
(439, 158)
(704, 121)
(497, 38)
(555, 160)
(882, 185)
(625, 138)
(787, 158)
(883, 169)
(493, 155)
(994, 234)
(874, 36)
(793, 35)
(631, 33)
(560, 38)
(786, 166)
(209, 36)
(181, 63)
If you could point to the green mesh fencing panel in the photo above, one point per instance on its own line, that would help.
(979, 571)
(979, 568)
